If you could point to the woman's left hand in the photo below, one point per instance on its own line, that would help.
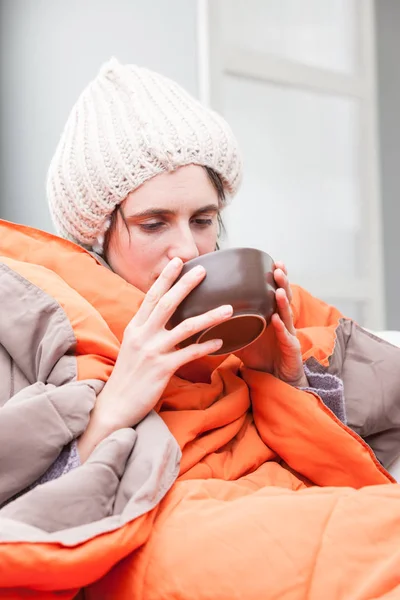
(277, 350)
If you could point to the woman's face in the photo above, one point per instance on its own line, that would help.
(172, 214)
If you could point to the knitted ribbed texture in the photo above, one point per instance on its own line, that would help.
(128, 125)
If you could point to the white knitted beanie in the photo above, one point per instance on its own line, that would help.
(127, 126)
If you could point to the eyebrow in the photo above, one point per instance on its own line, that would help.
(161, 212)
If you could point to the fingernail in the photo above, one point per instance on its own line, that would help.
(226, 310)
(176, 262)
(217, 343)
(198, 270)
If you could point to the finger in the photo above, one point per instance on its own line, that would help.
(170, 301)
(281, 265)
(282, 281)
(193, 352)
(284, 310)
(281, 278)
(285, 339)
(157, 290)
(195, 324)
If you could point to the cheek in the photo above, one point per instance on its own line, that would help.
(136, 258)
(206, 240)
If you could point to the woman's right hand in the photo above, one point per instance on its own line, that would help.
(149, 356)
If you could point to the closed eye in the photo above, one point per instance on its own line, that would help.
(157, 226)
(202, 222)
(152, 226)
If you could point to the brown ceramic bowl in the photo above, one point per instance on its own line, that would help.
(242, 277)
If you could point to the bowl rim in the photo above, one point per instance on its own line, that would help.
(217, 252)
(235, 316)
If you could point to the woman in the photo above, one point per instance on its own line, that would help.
(241, 483)
(141, 176)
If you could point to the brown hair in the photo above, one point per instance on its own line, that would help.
(218, 186)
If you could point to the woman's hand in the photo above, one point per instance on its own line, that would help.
(149, 356)
(278, 351)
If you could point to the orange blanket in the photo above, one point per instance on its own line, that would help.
(276, 498)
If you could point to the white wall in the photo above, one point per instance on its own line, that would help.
(388, 49)
(296, 81)
(49, 50)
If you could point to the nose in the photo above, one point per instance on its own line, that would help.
(184, 246)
